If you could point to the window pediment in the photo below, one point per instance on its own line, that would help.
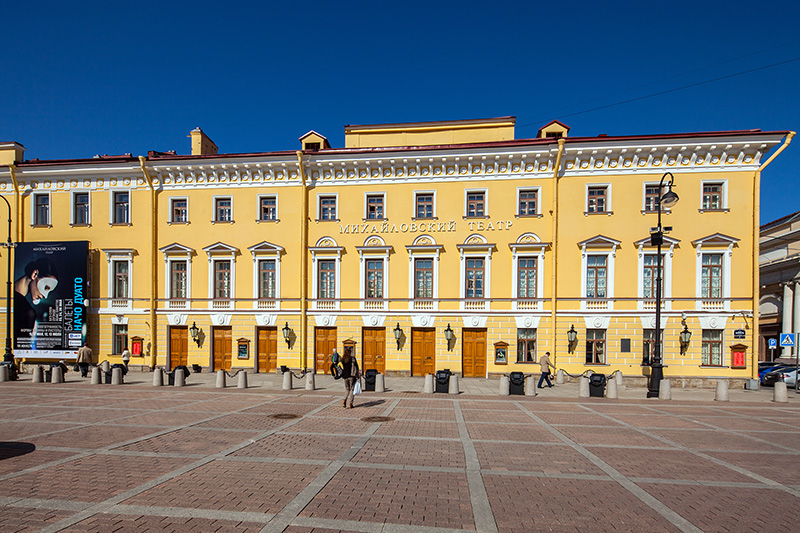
(716, 239)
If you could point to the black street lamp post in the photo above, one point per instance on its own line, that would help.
(9, 355)
(668, 199)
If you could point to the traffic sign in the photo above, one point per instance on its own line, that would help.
(787, 340)
(773, 343)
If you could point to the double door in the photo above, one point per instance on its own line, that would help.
(473, 357)
(267, 349)
(221, 348)
(373, 349)
(324, 343)
(423, 351)
(178, 346)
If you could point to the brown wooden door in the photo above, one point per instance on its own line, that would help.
(423, 351)
(473, 359)
(324, 343)
(267, 346)
(374, 349)
(178, 346)
(222, 348)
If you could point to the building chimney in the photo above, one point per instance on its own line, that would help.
(11, 152)
(202, 143)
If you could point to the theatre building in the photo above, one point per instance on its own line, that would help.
(424, 246)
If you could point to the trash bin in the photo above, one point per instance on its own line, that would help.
(597, 385)
(171, 375)
(369, 379)
(196, 368)
(516, 383)
(443, 380)
(122, 366)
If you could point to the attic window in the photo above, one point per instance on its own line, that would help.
(312, 146)
(554, 134)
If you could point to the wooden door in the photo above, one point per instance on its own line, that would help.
(324, 343)
(178, 346)
(423, 351)
(267, 346)
(374, 349)
(473, 359)
(222, 348)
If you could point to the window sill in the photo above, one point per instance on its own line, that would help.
(589, 213)
(73, 225)
(424, 218)
(655, 212)
(120, 224)
(527, 363)
(41, 225)
(482, 217)
(501, 362)
(726, 210)
(374, 219)
(171, 222)
(267, 220)
(538, 215)
(715, 366)
(596, 364)
(327, 220)
(223, 222)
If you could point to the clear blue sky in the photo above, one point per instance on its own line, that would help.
(114, 77)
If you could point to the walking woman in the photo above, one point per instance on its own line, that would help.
(350, 374)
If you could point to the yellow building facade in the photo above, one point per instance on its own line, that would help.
(424, 246)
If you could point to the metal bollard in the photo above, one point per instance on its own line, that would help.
(242, 384)
(221, 382)
(3, 373)
(611, 389)
(618, 379)
(560, 377)
(453, 389)
(379, 383)
(428, 389)
(287, 381)
(158, 378)
(722, 390)
(780, 393)
(583, 387)
(504, 386)
(665, 390)
(57, 375)
(530, 386)
(116, 376)
(310, 381)
(180, 377)
(38, 374)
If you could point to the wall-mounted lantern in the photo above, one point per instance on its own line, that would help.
(685, 337)
(287, 335)
(398, 333)
(449, 335)
(194, 331)
(572, 338)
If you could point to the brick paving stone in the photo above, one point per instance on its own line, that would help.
(419, 403)
(729, 509)
(242, 421)
(300, 529)
(657, 420)
(784, 420)
(313, 424)
(87, 479)
(524, 504)
(500, 416)
(442, 430)
(526, 433)
(103, 523)
(431, 499)
(666, 464)
(488, 404)
(22, 430)
(787, 438)
(548, 459)
(22, 519)
(608, 435)
(189, 440)
(164, 418)
(12, 460)
(738, 423)
(288, 446)
(92, 415)
(274, 408)
(552, 406)
(416, 452)
(576, 419)
(415, 413)
(709, 439)
(217, 406)
(32, 411)
(95, 436)
(621, 409)
(360, 409)
(159, 404)
(779, 467)
(682, 410)
(231, 486)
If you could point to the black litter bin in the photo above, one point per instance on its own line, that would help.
(48, 374)
(516, 383)
(196, 369)
(369, 379)
(443, 380)
(597, 385)
(171, 375)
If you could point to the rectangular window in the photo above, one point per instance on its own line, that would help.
(597, 199)
(475, 204)
(526, 345)
(712, 347)
(596, 276)
(178, 279)
(327, 208)
(266, 278)
(712, 276)
(649, 275)
(712, 196)
(423, 278)
(223, 210)
(180, 210)
(122, 208)
(649, 344)
(41, 209)
(120, 279)
(595, 346)
(375, 207)
(374, 281)
(120, 338)
(268, 208)
(327, 279)
(526, 273)
(80, 208)
(424, 207)
(651, 198)
(222, 279)
(527, 202)
(474, 278)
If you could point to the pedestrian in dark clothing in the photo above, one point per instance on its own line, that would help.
(84, 359)
(546, 365)
(350, 374)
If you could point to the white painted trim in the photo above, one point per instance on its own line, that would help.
(382, 194)
(538, 191)
(414, 205)
(258, 208)
(168, 259)
(471, 190)
(373, 321)
(597, 322)
(36, 193)
(325, 320)
(527, 321)
(88, 192)
(214, 199)
(609, 206)
(721, 181)
(474, 321)
(727, 255)
(112, 193)
(321, 195)
(667, 264)
(171, 210)
(649, 321)
(611, 256)
(712, 322)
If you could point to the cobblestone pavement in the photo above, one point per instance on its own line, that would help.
(81, 457)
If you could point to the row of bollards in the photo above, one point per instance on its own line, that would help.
(430, 388)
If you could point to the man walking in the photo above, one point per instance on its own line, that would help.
(84, 359)
(546, 365)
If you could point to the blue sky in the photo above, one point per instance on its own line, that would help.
(103, 77)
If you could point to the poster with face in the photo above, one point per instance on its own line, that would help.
(50, 299)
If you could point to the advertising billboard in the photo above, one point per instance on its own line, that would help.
(50, 299)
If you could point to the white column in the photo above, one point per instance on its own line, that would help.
(786, 327)
(796, 316)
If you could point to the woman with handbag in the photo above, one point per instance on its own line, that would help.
(350, 375)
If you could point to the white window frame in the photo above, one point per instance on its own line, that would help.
(214, 209)
(119, 256)
(476, 251)
(646, 249)
(533, 248)
(485, 192)
(608, 249)
(374, 248)
(266, 251)
(49, 208)
(726, 250)
(258, 209)
(724, 193)
(172, 210)
(221, 252)
(326, 248)
(72, 207)
(428, 250)
(177, 252)
(322, 195)
(112, 207)
(414, 207)
(366, 206)
(609, 206)
(538, 191)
